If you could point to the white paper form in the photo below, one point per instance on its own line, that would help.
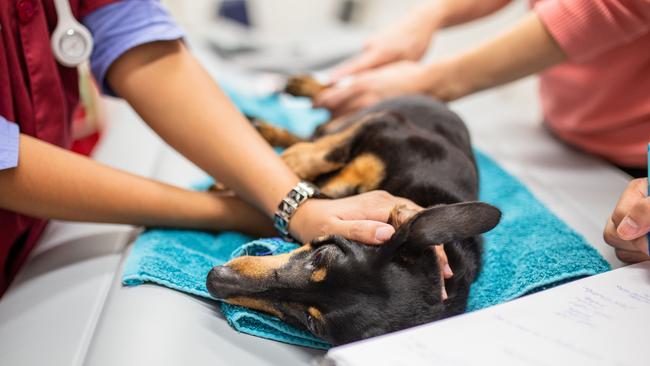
(600, 320)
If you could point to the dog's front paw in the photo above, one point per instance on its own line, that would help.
(303, 86)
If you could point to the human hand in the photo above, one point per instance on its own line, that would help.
(405, 40)
(628, 225)
(440, 80)
(405, 77)
(361, 218)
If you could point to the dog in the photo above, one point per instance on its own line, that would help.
(343, 291)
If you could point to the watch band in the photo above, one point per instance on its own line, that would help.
(297, 196)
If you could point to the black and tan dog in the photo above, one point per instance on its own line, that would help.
(343, 291)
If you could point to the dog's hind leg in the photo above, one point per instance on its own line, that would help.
(330, 152)
(324, 155)
(364, 173)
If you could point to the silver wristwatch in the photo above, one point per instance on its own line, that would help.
(299, 194)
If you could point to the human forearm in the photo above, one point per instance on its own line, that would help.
(447, 13)
(50, 182)
(180, 101)
(521, 51)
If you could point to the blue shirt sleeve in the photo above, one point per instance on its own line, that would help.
(121, 26)
(9, 137)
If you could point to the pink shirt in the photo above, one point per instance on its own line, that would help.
(599, 100)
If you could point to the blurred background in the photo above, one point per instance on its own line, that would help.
(306, 35)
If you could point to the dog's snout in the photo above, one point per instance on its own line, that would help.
(223, 282)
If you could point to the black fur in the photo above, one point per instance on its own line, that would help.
(372, 290)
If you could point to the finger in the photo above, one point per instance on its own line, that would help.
(445, 270)
(631, 256)
(443, 262)
(365, 61)
(443, 291)
(335, 97)
(365, 231)
(357, 104)
(635, 191)
(637, 222)
(373, 205)
(612, 238)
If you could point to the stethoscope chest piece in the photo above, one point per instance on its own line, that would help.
(72, 43)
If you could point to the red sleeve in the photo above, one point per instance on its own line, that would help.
(586, 28)
(85, 7)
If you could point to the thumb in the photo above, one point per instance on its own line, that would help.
(365, 231)
(637, 221)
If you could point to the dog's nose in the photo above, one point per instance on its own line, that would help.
(222, 282)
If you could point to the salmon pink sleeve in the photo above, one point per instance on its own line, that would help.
(587, 28)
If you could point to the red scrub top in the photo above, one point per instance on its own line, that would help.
(38, 94)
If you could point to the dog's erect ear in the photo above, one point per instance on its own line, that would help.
(446, 223)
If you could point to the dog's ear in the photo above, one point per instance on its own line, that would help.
(442, 224)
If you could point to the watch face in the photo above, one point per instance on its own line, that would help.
(73, 44)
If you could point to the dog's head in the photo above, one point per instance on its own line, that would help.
(344, 291)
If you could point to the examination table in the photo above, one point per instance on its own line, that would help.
(67, 306)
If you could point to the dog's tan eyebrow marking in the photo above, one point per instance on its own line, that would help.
(362, 174)
(318, 275)
(258, 267)
(315, 313)
(256, 304)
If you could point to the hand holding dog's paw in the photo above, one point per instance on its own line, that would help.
(370, 87)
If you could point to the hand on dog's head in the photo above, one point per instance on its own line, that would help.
(343, 291)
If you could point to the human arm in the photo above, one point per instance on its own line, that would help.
(525, 49)
(50, 182)
(178, 99)
(409, 37)
(629, 223)
(173, 83)
(555, 31)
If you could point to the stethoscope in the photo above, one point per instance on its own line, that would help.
(71, 41)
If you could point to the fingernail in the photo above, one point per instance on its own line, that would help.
(447, 271)
(384, 233)
(444, 293)
(628, 228)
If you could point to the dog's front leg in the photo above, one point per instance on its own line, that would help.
(310, 159)
(274, 135)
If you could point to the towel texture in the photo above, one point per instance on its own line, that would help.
(531, 249)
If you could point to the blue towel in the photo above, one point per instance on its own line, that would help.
(530, 250)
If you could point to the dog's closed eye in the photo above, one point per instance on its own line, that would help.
(314, 319)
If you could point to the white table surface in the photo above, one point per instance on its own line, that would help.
(67, 307)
